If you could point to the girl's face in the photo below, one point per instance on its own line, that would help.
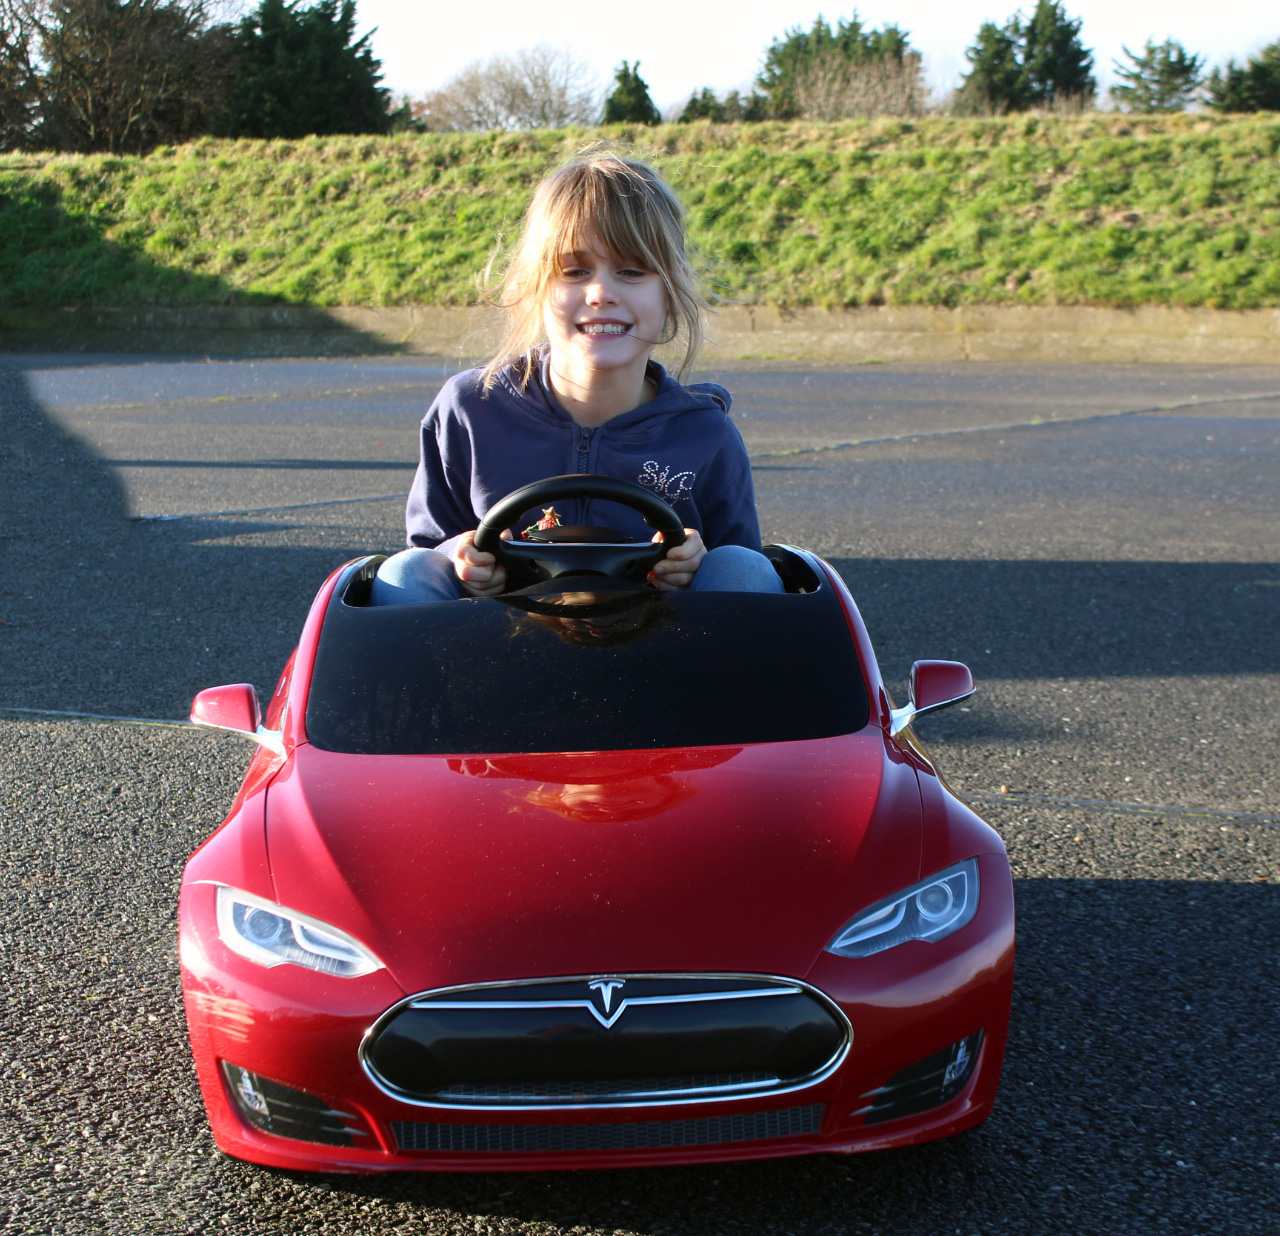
(602, 312)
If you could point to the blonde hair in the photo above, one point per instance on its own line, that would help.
(598, 196)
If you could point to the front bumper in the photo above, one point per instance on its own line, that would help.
(906, 1006)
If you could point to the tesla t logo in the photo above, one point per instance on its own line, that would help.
(605, 989)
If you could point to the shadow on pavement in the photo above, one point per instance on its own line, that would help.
(99, 613)
(1019, 619)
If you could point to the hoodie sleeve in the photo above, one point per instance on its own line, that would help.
(439, 506)
(728, 498)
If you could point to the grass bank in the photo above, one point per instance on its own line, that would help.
(1099, 210)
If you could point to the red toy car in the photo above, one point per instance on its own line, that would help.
(590, 875)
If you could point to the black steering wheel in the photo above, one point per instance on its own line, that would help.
(531, 562)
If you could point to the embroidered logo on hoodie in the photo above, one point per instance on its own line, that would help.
(664, 483)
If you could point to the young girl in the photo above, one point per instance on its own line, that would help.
(600, 277)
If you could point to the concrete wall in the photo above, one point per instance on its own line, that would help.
(888, 333)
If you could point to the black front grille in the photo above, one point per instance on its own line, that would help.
(641, 1135)
(622, 1039)
(930, 1082)
(275, 1108)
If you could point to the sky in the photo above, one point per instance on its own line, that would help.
(683, 45)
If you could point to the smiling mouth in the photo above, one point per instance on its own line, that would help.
(603, 328)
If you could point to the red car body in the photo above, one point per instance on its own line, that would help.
(557, 889)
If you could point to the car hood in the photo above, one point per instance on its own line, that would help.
(478, 869)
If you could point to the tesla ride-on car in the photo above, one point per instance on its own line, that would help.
(591, 875)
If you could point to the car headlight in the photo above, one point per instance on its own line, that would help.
(268, 934)
(930, 910)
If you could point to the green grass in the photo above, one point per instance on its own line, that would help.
(1098, 210)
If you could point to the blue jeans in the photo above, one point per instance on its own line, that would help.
(416, 575)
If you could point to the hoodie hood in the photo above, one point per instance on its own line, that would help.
(671, 398)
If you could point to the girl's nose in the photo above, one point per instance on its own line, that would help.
(600, 291)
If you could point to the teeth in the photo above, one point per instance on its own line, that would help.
(603, 328)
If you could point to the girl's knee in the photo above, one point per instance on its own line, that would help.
(735, 568)
(413, 576)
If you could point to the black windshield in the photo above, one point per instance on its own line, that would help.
(602, 671)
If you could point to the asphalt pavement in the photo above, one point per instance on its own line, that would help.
(1100, 543)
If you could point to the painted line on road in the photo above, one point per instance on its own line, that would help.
(249, 397)
(266, 510)
(1098, 804)
(787, 454)
(98, 716)
(1039, 423)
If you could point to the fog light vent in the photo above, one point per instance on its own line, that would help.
(930, 1082)
(286, 1112)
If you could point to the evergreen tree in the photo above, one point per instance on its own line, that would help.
(1253, 88)
(19, 87)
(799, 51)
(630, 102)
(1058, 67)
(298, 71)
(704, 105)
(1035, 62)
(1162, 79)
(996, 83)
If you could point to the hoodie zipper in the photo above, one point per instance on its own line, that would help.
(584, 448)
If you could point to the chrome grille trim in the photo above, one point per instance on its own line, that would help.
(696, 1086)
(786, 985)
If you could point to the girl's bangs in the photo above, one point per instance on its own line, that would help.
(605, 215)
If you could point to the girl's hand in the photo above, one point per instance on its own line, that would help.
(677, 569)
(479, 574)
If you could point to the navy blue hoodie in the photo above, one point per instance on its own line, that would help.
(477, 447)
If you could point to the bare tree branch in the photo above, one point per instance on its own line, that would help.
(832, 87)
(117, 75)
(539, 88)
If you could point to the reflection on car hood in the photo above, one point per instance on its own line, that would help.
(463, 870)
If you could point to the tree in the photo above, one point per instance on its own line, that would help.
(1162, 79)
(996, 83)
(833, 88)
(1253, 88)
(301, 71)
(801, 53)
(1058, 67)
(19, 88)
(114, 75)
(1036, 62)
(705, 105)
(539, 88)
(630, 102)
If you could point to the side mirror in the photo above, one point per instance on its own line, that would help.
(934, 685)
(235, 708)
